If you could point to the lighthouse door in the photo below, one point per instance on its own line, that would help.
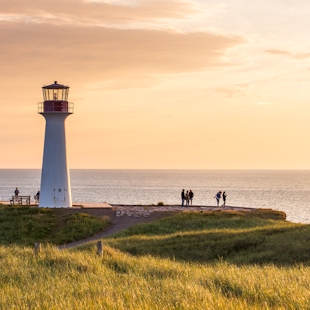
(59, 196)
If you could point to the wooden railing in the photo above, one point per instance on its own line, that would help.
(20, 200)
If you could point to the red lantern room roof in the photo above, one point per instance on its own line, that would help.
(55, 86)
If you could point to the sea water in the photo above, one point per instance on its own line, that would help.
(284, 190)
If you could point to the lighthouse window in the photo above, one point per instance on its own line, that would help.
(49, 94)
(55, 95)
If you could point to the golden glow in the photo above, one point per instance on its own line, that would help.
(159, 84)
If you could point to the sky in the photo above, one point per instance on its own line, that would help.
(159, 84)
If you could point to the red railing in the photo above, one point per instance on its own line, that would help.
(57, 106)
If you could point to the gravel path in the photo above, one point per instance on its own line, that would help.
(123, 217)
(118, 223)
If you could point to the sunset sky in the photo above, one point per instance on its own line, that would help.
(197, 84)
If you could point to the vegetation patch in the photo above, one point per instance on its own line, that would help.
(237, 237)
(23, 225)
(193, 261)
(82, 280)
(79, 226)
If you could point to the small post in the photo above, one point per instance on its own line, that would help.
(37, 248)
(99, 248)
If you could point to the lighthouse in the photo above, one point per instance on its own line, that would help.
(55, 190)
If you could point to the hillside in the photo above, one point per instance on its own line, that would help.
(260, 237)
(197, 261)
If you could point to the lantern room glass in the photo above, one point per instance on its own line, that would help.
(51, 94)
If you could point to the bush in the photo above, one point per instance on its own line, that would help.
(161, 204)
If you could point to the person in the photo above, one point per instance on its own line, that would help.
(191, 196)
(183, 197)
(224, 199)
(218, 197)
(187, 198)
(16, 192)
(37, 197)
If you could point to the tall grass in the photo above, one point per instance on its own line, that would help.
(240, 278)
(82, 280)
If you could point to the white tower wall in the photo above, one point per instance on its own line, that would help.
(55, 191)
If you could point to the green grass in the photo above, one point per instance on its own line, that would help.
(237, 237)
(195, 261)
(80, 279)
(25, 225)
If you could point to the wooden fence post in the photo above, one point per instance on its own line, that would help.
(99, 248)
(37, 248)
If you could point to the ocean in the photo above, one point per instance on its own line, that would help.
(284, 190)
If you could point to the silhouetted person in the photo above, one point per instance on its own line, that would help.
(191, 196)
(218, 197)
(224, 199)
(183, 197)
(16, 192)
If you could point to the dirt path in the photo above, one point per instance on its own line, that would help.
(118, 223)
(123, 217)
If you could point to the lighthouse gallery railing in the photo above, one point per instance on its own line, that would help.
(56, 106)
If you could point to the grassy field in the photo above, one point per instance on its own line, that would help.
(258, 237)
(218, 260)
(22, 225)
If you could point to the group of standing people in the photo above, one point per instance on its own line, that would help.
(187, 197)
(218, 197)
(37, 196)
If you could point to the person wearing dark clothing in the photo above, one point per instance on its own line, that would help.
(224, 199)
(191, 196)
(16, 192)
(37, 197)
(218, 197)
(183, 197)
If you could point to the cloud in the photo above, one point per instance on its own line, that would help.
(302, 56)
(98, 53)
(290, 54)
(233, 90)
(94, 12)
(278, 52)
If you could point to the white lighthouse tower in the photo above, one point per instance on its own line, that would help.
(55, 191)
